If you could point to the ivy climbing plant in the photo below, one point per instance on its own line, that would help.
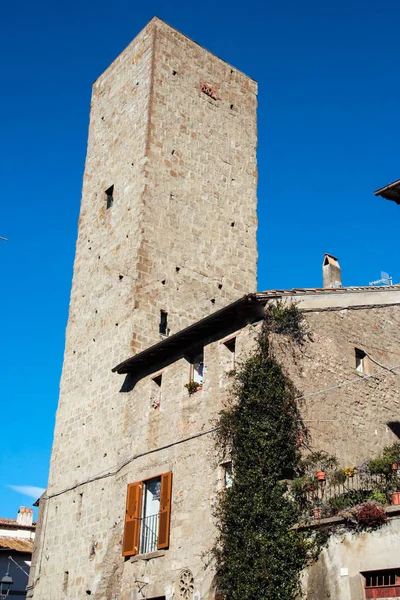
(259, 553)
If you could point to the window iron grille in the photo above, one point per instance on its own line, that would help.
(148, 534)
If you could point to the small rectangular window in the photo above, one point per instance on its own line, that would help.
(158, 380)
(155, 399)
(382, 584)
(360, 360)
(197, 368)
(228, 474)
(110, 197)
(231, 347)
(164, 323)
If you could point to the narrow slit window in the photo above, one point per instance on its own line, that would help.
(360, 360)
(231, 347)
(155, 398)
(109, 197)
(158, 380)
(164, 323)
(197, 368)
(228, 474)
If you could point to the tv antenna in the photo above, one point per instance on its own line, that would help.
(384, 280)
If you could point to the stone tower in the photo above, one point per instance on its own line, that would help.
(167, 235)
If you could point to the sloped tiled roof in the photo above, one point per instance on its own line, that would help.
(13, 524)
(8, 522)
(246, 310)
(17, 544)
(390, 192)
(323, 291)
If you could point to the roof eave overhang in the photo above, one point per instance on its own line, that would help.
(390, 192)
(248, 309)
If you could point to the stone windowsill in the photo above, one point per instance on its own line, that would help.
(148, 556)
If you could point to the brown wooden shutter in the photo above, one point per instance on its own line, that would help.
(132, 519)
(165, 511)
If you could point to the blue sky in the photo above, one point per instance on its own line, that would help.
(328, 137)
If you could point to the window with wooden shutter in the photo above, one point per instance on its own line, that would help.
(382, 584)
(132, 519)
(165, 511)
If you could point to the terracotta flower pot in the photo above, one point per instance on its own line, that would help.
(320, 475)
(396, 498)
(395, 466)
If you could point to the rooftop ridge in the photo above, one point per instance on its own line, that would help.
(344, 289)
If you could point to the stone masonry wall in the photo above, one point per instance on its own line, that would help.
(201, 178)
(199, 206)
(81, 541)
(148, 252)
(142, 255)
(349, 421)
(84, 526)
(182, 225)
(337, 575)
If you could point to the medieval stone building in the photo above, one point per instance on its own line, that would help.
(163, 300)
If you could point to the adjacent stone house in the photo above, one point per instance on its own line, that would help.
(16, 546)
(163, 310)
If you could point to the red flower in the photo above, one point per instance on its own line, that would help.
(371, 514)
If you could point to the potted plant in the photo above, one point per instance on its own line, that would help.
(320, 461)
(368, 515)
(395, 496)
(386, 465)
(192, 387)
(317, 512)
(349, 472)
(378, 496)
(303, 485)
(337, 477)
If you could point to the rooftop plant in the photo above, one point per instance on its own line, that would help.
(285, 318)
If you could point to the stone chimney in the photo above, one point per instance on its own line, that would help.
(331, 273)
(25, 516)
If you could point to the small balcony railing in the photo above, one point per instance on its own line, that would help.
(148, 534)
(327, 498)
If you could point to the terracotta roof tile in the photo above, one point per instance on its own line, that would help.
(13, 524)
(18, 544)
(341, 290)
(8, 522)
